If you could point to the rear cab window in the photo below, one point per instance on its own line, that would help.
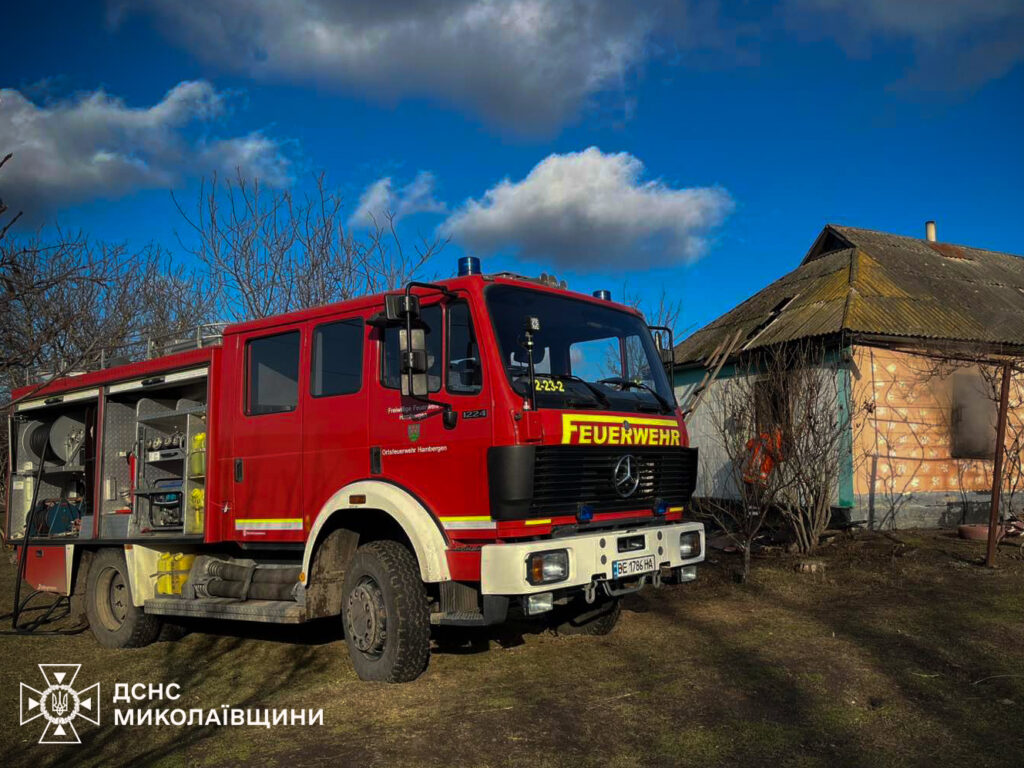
(337, 358)
(272, 374)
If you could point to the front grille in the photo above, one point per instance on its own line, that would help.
(566, 476)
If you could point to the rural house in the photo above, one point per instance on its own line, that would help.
(912, 330)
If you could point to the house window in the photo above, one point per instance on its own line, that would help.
(974, 414)
(430, 320)
(337, 358)
(771, 407)
(273, 374)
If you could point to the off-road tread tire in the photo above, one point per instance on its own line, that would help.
(578, 618)
(138, 629)
(407, 649)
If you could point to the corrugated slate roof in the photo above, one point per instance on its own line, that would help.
(861, 281)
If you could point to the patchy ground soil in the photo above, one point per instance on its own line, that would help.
(896, 655)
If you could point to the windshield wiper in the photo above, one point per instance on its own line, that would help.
(622, 383)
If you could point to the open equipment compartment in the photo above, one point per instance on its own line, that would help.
(154, 475)
(52, 445)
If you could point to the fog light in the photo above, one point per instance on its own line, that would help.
(689, 545)
(547, 567)
(540, 603)
(687, 573)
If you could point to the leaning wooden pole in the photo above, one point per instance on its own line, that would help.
(997, 470)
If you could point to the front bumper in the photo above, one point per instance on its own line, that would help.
(503, 566)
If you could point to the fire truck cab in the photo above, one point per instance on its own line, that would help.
(450, 454)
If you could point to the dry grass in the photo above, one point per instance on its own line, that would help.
(896, 655)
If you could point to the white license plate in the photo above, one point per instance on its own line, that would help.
(633, 567)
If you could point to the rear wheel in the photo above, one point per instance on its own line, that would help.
(114, 619)
(385, 614)
(598, 618)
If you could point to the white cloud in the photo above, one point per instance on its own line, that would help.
(381, 199)
(590, 209)
(94, 145)
(529, 64)
(956, 43)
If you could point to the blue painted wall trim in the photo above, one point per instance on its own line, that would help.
(844, 383)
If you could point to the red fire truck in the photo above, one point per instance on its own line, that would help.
(446, 455)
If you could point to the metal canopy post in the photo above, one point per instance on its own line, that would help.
(997, 470)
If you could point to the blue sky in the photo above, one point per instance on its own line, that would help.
(724, 135)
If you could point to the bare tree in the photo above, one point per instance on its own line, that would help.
(816, 437)
(68, 304)
(265, 252)
(737, 474)
(782, 427)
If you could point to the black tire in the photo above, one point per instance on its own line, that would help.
(600, 618)
(114, 619)
(385, 613)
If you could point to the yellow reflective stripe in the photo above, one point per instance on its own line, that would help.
(270, 520)
(467, 519)
(269, 524)
(675, 509)
(546, 521)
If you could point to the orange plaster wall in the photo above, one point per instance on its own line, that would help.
(905, 431)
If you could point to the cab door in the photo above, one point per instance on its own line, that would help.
(335, 407)
(446, 468)
(267, 438)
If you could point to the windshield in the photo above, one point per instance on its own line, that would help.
(584, 356)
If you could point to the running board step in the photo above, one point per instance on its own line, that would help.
(495, 611)
(266, 611)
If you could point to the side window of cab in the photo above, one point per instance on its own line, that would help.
(464, 371)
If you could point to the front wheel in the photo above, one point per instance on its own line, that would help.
(385, 613)
(114, 618)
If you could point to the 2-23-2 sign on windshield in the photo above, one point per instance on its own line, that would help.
(548, 385)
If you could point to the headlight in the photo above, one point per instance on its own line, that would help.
(689, 545)
(547, 567)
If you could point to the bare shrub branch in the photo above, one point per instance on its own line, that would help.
(264, 252)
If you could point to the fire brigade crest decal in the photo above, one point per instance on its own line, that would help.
(59, 704)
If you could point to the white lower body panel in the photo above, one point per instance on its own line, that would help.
(591, 557)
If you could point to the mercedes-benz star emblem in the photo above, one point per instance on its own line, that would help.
(626, 476)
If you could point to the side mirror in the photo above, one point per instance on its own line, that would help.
(399, 306)
(413, 361)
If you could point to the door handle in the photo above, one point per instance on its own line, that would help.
(238, 471)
